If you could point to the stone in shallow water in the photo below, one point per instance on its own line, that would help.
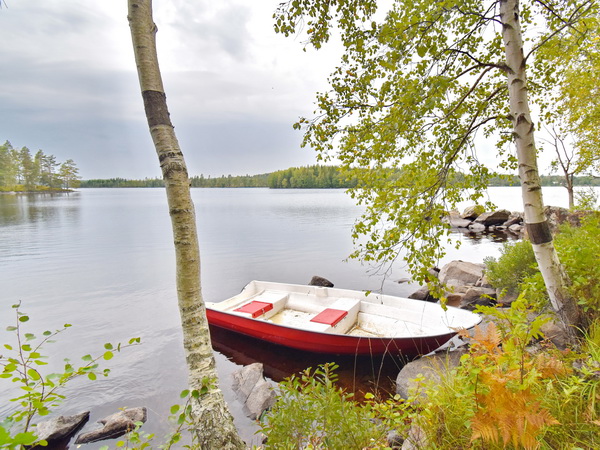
(115, 425)
(60, 427)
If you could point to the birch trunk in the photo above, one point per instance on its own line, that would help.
(523, 130)
(214, 427)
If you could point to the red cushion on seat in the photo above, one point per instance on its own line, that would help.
(330, 316)
(255, 308)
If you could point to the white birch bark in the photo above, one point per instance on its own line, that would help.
(523, 129)
(214, 424)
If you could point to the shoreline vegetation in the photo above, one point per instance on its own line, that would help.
(307, 177)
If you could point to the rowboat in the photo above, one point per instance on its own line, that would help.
(338, 321)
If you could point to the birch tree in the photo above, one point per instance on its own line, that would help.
(425, 86)
(214, 424)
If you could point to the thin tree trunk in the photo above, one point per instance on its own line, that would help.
(535, 219)
(214, 424)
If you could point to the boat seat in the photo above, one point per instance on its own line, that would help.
(339, 318)
(264, 305)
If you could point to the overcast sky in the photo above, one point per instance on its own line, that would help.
(68, 85)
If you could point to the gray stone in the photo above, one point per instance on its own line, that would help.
(478, 296)
(254, 392)
(320, 281)
(505, 298)
(493, 218)
(514, 219)
(516, 228)
(115, 425)
(60, 427)
(422, 294)
(472, 212)
(476, 227)
(465, 272)
(458, 222)
(430, 367)
(394, 439)
(416, 439)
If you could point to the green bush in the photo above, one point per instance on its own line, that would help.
(311, 412)
(578, 249)
(515, 265)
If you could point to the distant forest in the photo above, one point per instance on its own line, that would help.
(308, 177)
(24, 171)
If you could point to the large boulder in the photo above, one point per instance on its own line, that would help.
(493, 218)
(115, 425)
(253, 391)
(472, 212)
(428, 367)
(464, 273)
(61, 427)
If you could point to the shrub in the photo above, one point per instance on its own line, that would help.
(311, 412)
(515, 265)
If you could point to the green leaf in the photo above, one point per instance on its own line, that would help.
(87, 358)
(8, 347)
(23, 319)
(33, 374)
(92, 376)
(108, 346)
(11, 328)
(175, 408)
(184, 393)
(108, 355)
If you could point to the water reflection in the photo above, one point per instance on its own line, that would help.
(18, 209)
(476, 237)
(359, 374)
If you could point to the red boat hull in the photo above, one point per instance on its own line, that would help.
(324, 342)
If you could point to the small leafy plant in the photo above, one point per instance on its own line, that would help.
(312, 412)
(39, 393)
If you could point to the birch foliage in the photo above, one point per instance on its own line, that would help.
(422, 86)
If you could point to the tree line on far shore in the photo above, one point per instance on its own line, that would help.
(20, 170)
(307, 177)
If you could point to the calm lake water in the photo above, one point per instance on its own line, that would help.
(103, 260)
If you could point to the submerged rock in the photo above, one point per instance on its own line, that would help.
(253, 390)
(61, 427)
(115, 425)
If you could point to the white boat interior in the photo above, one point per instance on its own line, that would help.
(341, 311)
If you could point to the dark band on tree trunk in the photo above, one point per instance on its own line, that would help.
(155, 104)
(539, 233)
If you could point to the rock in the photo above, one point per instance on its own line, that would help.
(431, 367)
(476, 227)
(478, 296)
(416, 439)
(483, 282)
(394, 439)
(458, 222)
(555, 334)
(505, 298)
(454, 299)
(472, 212)
(403, 280)
(320, 281)
(493, 218)
(422, 294)
(516, 228)
(61, 427)
(256, 393)
(515, 218)
(465, 272)
(115, 425)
